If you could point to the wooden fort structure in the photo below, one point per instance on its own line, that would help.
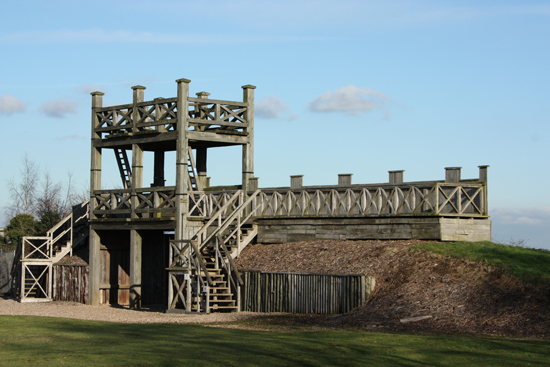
(175, 245)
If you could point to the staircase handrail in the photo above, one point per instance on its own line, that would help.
(86, 214)
(201, 262)
(228, 220)
(217, 215)
(234, 269)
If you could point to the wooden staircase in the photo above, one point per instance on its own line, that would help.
(32, 267)
(202, 274)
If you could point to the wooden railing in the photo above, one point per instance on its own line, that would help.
(36, 254)
(462, 199)
(161, 115)
(439, 199)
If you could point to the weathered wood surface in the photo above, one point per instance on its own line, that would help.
(303, 293)
(281, 230)
(71, 283)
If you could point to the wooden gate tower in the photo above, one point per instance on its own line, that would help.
(128, 226)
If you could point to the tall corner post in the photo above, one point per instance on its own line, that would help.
(483, 178)
(182, 159)
(95, 184)
(137, 151)
(248, 148)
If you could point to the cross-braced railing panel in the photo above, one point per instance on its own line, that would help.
(207, 114)
(115, 119)
(160, 114)
(204, 204)
(36, 248)
(444, 199)
(36, 281)
(437, 199)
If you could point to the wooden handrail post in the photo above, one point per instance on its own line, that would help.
(452, 174)
(248, 148)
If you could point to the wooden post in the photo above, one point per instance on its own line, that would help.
(452, 174)
(181, 159)
(483, 178)
(253, 184)
(95, 184)
(201, 167)
(137, 152)
(158, 179)
(483, 173)
(296, 182)
(344, 179)
(135, 269)
(248, 148)
(396, 177)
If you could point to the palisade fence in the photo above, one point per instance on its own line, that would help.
(304, 293)
(70, 283)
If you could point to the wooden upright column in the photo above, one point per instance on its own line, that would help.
(95, 184)
(248, 148)
(137, 152)
(135, 269)
(181, 158)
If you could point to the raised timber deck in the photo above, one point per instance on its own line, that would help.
(428, 228)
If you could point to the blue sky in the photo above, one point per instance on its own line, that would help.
(358, 87)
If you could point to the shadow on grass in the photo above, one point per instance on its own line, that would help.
(51, 341)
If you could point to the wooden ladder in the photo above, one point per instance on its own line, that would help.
(124, 167)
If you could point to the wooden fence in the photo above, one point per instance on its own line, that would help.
(70, 283)
(303, 293)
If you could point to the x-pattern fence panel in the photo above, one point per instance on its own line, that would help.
(464, 199)
(202, 204)
(162, 115)
(438, 199)
(208, 114)
(115, 119)
(148, 200)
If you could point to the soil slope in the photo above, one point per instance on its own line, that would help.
(453, 295)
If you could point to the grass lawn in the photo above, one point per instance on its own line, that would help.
(43, 341)
(530, 265)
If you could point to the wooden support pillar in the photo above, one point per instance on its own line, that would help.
(396, 177)
(137, 152)
(452, 174)
(201, 166)
(344, 179)
(158, 179)
(296, 182)
(483, 178)
(248, 148)
(95, 184)
(135, 269)
(181, 200)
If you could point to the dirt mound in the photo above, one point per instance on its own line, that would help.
(415, 290)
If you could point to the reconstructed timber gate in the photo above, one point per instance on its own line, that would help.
(176, 245)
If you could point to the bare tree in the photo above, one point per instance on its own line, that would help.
(23, 192)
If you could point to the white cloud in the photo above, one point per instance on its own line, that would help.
(272, 107)
(351, 99)
(58, 108)
(528, 216)
(10, 104)
(86, 88)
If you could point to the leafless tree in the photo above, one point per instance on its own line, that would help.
(37, 193)
(23, 191)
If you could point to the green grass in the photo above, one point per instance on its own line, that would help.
(527, 264)
(27, 340)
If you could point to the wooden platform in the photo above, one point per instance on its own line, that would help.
(283, 230)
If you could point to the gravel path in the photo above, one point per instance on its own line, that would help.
(73, 310)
